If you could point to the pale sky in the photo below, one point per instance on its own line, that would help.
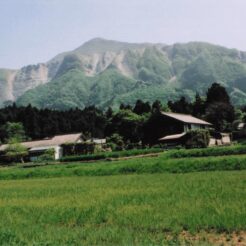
(33, 31)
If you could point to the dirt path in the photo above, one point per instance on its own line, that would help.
(133, 157)
(213, 238)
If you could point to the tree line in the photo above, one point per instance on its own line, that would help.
(128, 125)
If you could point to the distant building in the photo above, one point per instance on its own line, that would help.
(175, 126)
(98, 141)
(37, 148)
(220, 139)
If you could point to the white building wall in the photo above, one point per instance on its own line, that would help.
(58, 152)
(226, 139)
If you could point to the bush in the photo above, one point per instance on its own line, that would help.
(213, 151)
(116, 142)
(130, 145)
(197, 139)
(16, 152)
(48, 155)
(78, 148)
(105, 155)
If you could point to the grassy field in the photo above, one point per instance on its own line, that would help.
(164, 200)
(147, 209)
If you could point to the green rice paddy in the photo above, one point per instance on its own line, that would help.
(142, 201)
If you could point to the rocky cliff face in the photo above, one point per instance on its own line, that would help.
(6, 84)
(94, 56)
(29, 77)
(13, 83)
(98, 54)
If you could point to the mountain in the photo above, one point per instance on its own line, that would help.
(107, 73)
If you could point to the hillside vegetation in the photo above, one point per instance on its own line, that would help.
(107, 73)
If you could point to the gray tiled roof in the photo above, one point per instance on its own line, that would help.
(186, 118)
(55, 141)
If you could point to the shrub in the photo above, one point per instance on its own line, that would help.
(213, 151)
(48, 155)
(197, 139)
(115, 154)
(78, 148)
(117, 141)
(15, 151)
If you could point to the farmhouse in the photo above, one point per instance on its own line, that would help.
(177, 125)
(37, 148)
(171, 128)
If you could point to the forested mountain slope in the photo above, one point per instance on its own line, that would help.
(107, 73)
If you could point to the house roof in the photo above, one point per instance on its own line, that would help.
(186, 118)
(69, 138)
(54, 141)
(172, 137)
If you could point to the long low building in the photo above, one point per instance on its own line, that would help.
(36, 148)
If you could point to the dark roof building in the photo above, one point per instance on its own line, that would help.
(181, 123)
(168, 127)
(186, 118)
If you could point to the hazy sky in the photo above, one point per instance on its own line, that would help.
(33, 31)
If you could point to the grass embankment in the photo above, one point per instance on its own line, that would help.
(181, 153)
(139, 165)
(125, 209)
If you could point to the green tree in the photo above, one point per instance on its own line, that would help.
(127, 124)
(141, 107)
(180, 106)
(217, 93)
(219, 110)
(16, 151)
(48, 155)
(116, 142)
(198, 106)
(109, 113)
(15, 130)
(197, 139)
(221, 115)
(156, 106)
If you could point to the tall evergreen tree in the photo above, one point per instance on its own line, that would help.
(217, 93)
(198, 107)
(180, 106)
(219, 110)
(141, 107)
(156, 106)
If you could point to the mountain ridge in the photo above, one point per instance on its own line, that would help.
(128, 71)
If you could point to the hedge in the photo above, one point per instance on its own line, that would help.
(106, 155)
(213, 151)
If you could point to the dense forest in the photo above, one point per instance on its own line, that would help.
(129, 123)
